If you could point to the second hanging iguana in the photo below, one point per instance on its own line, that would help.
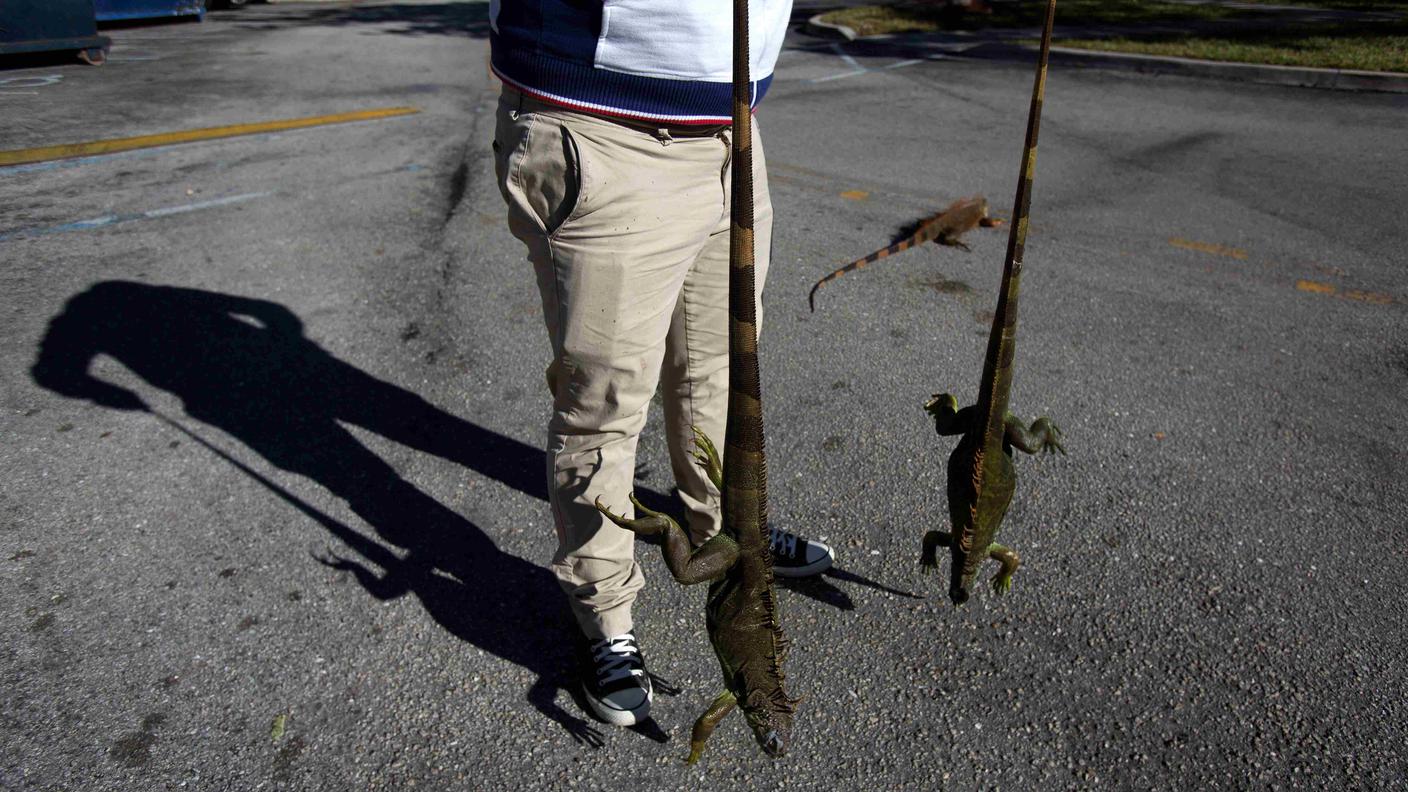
(741, 613)
(981, 476)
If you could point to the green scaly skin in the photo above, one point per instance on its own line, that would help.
(741, 612)
(981, 474)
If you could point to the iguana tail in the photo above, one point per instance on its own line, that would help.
(995, 387)
(745, 490)
(927, 231)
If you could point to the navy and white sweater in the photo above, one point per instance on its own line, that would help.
(666, 61)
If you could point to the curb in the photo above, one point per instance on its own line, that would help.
(816, 27)
(1267, 74)
(1295, 76)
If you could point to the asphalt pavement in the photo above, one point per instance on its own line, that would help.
(271, 412)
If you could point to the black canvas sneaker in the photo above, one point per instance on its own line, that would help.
(615, 681)
(793, 556)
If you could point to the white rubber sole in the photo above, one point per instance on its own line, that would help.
(619, 717)
(814, 568)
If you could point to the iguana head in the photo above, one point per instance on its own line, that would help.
(770, 718)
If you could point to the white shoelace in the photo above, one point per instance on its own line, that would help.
(783, 543)
(617, 657)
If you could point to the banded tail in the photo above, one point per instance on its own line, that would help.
(995, 390)
(745, 469)
(745, 490)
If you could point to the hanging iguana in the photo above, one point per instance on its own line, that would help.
(945, 228)
(741, 613)
(981, 476)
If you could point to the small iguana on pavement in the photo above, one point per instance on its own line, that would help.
(741, 613)
(945, 228)
(981, 476)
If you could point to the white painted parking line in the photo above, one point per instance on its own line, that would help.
(107, 220)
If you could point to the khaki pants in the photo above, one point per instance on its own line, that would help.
(627, 229)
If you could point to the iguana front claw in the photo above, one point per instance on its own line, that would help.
(651, 524)
(945, 402)
(708, 457)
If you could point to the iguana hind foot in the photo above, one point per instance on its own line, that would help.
(929, 555)
(651, 524)
(708, 458)
(1009, 559)
(707, 722)
(1042, 436)
(687, 564)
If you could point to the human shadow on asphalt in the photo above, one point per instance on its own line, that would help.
(245, 367)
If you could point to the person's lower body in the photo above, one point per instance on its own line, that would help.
(627, 228)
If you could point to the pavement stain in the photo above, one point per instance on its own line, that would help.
(246, 623)
(42, 623)
(1209, 248)
(287, 756)
(1399, 361)
(134, 749)
(833, 443)
(943, 285)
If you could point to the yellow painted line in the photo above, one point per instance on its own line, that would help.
(1315, 287)
(1358, 295)
(1208, 247)
(66, 151)
(1373, 298)
(855, 195)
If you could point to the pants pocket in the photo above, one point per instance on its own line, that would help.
(544, 172)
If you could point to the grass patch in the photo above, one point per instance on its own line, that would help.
(920, 17)
(1380, 46)
(1389, 6)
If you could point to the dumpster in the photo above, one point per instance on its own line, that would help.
(113, 10)
(50, 26)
